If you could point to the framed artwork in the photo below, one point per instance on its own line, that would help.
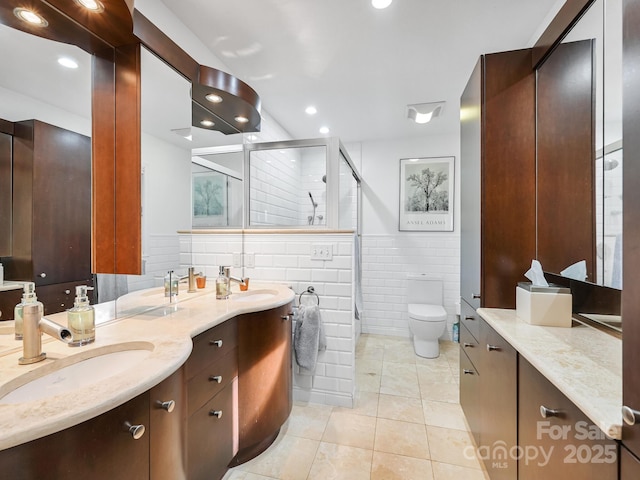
(209, 198)
(426, 194)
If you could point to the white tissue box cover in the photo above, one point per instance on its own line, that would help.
(548, 309)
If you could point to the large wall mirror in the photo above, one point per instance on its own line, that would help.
(579, 151)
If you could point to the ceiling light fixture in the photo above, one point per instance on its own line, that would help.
(311, 110)
(207, 123)
(213, 98)
(380, 4)
(241, 119)
(424, 112)
(324, 130)
(93, 5)
(30, 17)
(68, 62)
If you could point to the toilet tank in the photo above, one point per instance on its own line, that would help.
(422, 288)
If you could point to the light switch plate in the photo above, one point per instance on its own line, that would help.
(250, 260)
(237, 260)
(321, 251)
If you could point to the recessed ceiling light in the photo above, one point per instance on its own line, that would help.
(381, 3)
(30, 17)
(213, 98)
(68, 62)
(311, 110)
(207, 123)
(93, 5)
(424, 112)
(241, 119)
(324, 130)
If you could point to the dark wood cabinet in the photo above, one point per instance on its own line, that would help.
(629, 465)
(6, 189)
(51, 228)
(100, 449)
(8, 300)
(567, 443)
(497, 156)
(168, 429)
(264, 379)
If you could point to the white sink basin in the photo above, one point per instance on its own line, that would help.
(73, 372)
(253, 295)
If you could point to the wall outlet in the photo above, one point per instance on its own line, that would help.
(250, 260)
(237, 260)
(321, 251)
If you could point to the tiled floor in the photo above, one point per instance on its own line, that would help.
(407, 424)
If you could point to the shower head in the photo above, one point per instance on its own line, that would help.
(315, 205)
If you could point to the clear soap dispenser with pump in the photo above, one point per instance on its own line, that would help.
(81, 319)
(222, 285)
(28, 297)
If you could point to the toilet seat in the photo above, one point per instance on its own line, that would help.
(426, 312)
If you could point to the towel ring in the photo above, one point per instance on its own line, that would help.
(311, 291)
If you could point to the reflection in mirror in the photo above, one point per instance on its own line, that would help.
(287, 186)
(348, 194)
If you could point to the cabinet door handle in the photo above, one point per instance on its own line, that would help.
(549, 412)
(169, 405)
(285, 317)
(217, 343)
(476, 296)
(67, 291)
(467, 345)
(469, 317)
(216, 413)
(468, 372)
(136, 431)
(492, 348)
(215, 378)
(43, 275)
(630, 416)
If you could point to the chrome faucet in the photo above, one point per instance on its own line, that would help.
(227, 273)
(33, 325)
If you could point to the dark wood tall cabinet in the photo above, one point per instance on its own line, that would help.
(5, 193)
(51, 228)
(497, 154)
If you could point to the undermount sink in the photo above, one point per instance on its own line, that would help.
(253, 295)
(73, 372)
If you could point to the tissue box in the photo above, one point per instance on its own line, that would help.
(549, 306)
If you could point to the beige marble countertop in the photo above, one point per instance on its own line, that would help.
(167, 329)
(582, 362)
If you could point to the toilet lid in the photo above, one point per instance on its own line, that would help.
(423, 311)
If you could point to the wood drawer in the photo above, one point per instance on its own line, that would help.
(470, 395)
(212, 345)
(629, 465)
(59, 297)
(211, 380)
(470, 319)
(470, 346)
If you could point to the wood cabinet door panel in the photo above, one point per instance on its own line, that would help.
(8, 301)
(470, 395)
(470, 319)
(629, 465)
(211, 380)
(6, 194)
(212, 345)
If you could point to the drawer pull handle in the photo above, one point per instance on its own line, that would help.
(493, 348)
(467, 345)
(67, 291)
(169, 405)
(43, 275)
(630, 416)
(136, 431)
(215, 378)
(469, 317)
(468, 372)
(285, 317)
(549, 412)
(476, 296)
(217, 343)
(216, 413)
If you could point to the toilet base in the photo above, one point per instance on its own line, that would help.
(426, 348)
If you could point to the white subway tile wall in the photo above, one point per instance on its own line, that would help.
(163, 254)
(386, 261)
(286, 258)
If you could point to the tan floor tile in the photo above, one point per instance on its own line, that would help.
(401, 438)
(452, 446)
(308, 421)
(340, 462)
(401, 352)
(430, 375)
(397, 369)
(289, 458)
(369, 365)
(349, 429)
(388, 466)
(440, 392)
(446, 415)
(366, 403)
(444, 471)
(368, 382)
(399, 386)
(401, 408)
(440, 362)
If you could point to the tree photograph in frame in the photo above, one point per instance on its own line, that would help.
(209, 199)
(426, 194)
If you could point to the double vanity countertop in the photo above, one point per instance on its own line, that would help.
(583, 363)
(150, 323)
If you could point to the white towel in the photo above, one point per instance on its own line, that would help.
(309, 338)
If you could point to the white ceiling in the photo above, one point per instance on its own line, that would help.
(359, 66)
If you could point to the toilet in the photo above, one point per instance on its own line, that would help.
(427, 316)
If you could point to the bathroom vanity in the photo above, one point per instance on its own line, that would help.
(194, 405)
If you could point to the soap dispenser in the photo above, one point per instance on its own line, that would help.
(222, 285)
(81, 319)
(28, 297)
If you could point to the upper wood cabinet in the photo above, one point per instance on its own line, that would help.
(5, 194)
